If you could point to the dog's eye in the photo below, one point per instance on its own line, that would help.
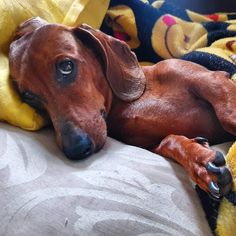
(32, 99)
(28, 96)
(66, 67)
(66, 70)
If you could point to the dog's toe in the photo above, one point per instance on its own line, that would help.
(223, 177)
(225, 181)
(219, 159)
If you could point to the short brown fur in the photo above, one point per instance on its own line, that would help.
(161, 108)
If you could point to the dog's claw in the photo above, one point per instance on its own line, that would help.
(225, 181)
(201, 140)
(219, 159)
(214, 190)
(224, 176)
(212, 168)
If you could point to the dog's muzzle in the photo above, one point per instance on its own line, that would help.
(76, 144)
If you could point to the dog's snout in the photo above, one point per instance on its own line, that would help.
(76, 144)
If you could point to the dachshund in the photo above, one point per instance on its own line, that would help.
(91, 85)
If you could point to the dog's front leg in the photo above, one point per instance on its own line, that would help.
(205, 166)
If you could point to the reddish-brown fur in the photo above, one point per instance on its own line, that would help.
(161, 107)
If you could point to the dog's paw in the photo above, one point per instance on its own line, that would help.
(208, 169)
(205, 166)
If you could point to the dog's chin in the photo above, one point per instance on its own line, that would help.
(99, 146)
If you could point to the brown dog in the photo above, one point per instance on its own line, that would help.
(88, 81)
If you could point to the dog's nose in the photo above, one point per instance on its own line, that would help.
(76, 144)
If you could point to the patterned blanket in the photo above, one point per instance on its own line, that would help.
(157, 30)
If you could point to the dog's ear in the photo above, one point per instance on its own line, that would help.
(123, 72)
(28, 26)
(19, 44)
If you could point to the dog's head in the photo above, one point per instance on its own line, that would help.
(73, 73)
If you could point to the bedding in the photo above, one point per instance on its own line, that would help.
(121, 190)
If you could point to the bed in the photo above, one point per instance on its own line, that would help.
(121, 190)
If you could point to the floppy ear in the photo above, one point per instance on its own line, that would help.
(29, 26)
(123, 72)
(20, 41)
